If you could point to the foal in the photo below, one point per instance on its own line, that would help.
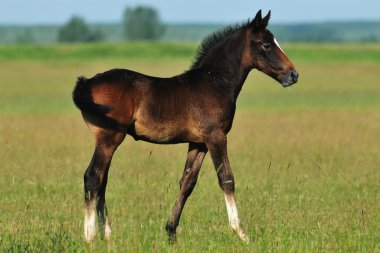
(196, 107)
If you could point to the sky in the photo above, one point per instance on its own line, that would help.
(189, 11)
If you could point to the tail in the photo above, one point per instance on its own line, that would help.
(95, 113)
(83, 99)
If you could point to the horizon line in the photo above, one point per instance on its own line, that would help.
(199, 22)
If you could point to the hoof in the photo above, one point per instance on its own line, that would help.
(242, 235)
(89, 237)
(107, 233)
(244, 238)
(89, 228)
(172, 237)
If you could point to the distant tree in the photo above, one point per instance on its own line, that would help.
(76, 30)
(370, 39)
(26, 37)
(96, 35)
(142, 23)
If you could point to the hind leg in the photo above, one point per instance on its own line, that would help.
(193, 164)
(95, 182)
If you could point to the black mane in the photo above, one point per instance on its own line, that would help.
(214, 39)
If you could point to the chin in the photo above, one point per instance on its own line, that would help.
(287, 84)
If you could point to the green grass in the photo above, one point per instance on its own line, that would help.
(306, 159)
(100, 51)
(158, 51)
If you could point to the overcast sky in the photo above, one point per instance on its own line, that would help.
(174, 11)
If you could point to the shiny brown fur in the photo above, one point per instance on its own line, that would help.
(196, 107)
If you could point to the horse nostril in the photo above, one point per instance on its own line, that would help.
(294, 75)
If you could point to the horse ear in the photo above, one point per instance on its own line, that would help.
(259, 22)
(256, 22)
(266, 20)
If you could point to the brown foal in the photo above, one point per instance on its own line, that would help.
(196, 107)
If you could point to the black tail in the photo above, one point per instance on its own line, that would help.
(83, 99)
(95, 113)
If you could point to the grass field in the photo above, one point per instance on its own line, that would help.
(306, 159)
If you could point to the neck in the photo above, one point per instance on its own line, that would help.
(227, 64)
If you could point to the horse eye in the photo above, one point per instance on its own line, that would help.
(267, 45)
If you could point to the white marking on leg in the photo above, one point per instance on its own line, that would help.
(233, 216)
(89, 222)
(232, 211)
(107, 231)
(278, 45)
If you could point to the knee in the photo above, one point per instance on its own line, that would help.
(227, 183)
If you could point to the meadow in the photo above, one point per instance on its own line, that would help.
(306, 159)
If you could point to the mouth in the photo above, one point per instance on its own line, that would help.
(287, 83)
(289, 79)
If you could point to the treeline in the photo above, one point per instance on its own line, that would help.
(144, 23)
(335, 32)
(139, 23)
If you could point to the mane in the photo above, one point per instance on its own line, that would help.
(213, 40)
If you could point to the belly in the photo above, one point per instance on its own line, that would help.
(164, 124)
(162, 133)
